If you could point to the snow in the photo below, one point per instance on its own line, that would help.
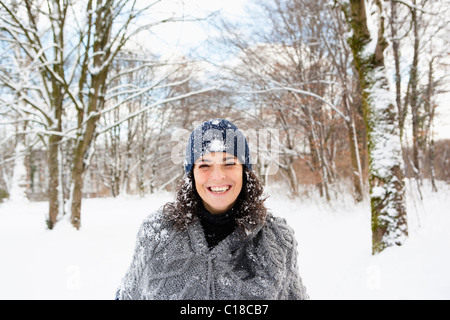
(386, 150)
(216, 146)
(334, 248)
(372, 13)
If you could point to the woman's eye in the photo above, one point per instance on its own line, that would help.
(203, 166)
(230, 163)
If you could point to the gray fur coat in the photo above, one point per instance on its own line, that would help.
(173, 264)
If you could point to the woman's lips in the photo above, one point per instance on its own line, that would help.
(219, 189)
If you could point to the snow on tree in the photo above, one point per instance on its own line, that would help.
(18, 188)
(367, 21)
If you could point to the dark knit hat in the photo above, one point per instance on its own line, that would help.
(216, 135)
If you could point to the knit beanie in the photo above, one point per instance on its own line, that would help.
(216, 135)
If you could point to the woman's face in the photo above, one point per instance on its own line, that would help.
(218, 180)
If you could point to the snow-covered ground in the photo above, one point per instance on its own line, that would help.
(334, 249)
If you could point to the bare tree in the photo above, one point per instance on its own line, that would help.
(64, 84)
(417, 32)
(35, 77)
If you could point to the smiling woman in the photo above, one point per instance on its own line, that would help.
(216, 240)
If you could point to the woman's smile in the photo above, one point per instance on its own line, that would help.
(219, 189)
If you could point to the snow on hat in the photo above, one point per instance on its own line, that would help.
(216, 135)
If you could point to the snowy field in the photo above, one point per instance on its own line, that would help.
(334, 249)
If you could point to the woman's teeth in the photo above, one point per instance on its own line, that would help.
(219, 189)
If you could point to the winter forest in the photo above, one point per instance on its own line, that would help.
(342, 102)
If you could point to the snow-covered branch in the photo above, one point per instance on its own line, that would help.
(140, 92)
(160, 102)
(411, 6)
(302, 92)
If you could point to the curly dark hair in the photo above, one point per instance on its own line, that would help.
(250, 211)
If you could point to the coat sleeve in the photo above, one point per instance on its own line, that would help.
(133, 284)
(293, 288)
(296, 288)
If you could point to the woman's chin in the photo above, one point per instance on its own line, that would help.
(218, 209)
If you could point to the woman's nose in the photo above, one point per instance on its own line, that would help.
(217, 173)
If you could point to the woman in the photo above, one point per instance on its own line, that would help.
(216, 240)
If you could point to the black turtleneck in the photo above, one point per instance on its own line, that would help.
(216, 226)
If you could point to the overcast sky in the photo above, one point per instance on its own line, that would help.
(187, 35)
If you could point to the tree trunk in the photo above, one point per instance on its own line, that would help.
(292, 177)
(388, 210)
(80, 161)
(430, 113)
(76, 189)
(431, 157)
(54, 166)
(398, 76)
(89, 115)
(358, 182)
(417, 119)
(54, 180)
